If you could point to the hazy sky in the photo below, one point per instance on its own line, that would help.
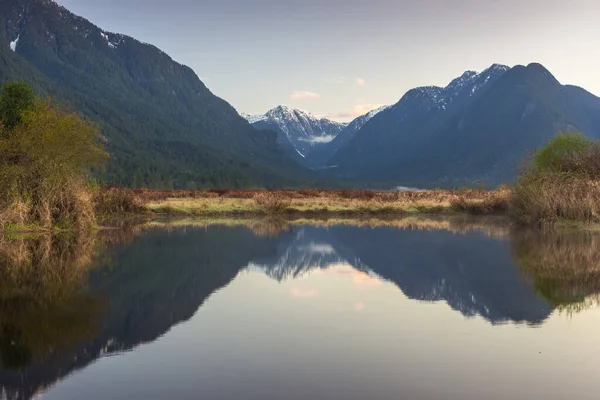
(340, 58)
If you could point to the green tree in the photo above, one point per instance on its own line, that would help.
(45, 161)
(15, 98)
(560, 150)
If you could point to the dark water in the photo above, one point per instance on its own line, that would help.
(303, 313)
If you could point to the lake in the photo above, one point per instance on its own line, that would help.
(412, 309)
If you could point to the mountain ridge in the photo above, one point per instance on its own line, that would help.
(309, 139)
(150, 107)
(298, 132)
(476, 130)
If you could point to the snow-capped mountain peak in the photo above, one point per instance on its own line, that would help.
(302, 133)
(298, 129)
(439, 98)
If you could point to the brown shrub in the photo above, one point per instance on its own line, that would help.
(478, 203)
(585, 163)
(16, 213)
(66, 206)
(551, 197)
(272, 202)
(117, 201)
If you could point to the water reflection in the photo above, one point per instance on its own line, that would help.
(65, 302)
(564, 267)
(43, 309)
(471, 272)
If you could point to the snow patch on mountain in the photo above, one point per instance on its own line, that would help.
(299, 124)
(429, 98)
(13, 44)
(298, 128)
(359, 122)
(253, 118)
(373, 113)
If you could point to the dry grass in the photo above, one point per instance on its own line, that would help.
(272, 203)
(317, 202)
(481, 202)
(111, 201)
(548, 199)
(68, 205)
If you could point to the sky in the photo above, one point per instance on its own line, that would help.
(339, 59)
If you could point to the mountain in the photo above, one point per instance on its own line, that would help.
(312, 141)
(475, 130)
(298, 132)
(163, 126)
(324, 155)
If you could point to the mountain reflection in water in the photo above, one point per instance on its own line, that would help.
(64, 305)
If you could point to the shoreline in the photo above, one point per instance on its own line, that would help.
(320, 203)
(130, 207)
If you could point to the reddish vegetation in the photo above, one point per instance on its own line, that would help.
(148, 195)
(474, 201)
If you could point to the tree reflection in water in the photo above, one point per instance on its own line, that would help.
(43, 307)
(563, 266)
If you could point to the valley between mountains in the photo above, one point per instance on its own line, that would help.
(165, 129)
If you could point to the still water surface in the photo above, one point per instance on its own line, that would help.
(342, 312)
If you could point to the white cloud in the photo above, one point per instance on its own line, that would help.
(360, 82)
(356, 111)
(304, 95)
(318, 139)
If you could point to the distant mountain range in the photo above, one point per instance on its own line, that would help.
(476, 130)
(165, 129)
(310, 140)
(298, 132)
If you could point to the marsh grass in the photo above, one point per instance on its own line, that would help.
(272, 202)
(112, 201)
(560, 185)
(555, 198)
(481, 202)
(319, 202)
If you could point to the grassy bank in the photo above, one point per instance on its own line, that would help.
(320, 202)
(48, 157)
